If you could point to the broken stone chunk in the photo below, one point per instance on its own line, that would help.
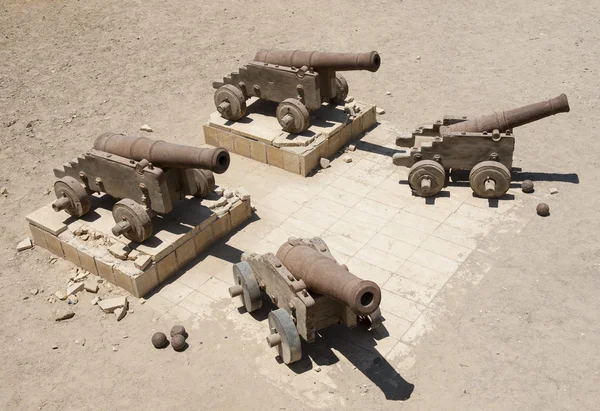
(351, 147)
(91, 285)
(74, 288)
(324, 162)
(63, 314)
(112, 304)
(242, 193)
(554, 190)
(146, 128)
(380, 111)
(95, 300)
(119, 250)
(347, 159)
(120, 313)
(61, 294)
(142, 262)
(26, 244)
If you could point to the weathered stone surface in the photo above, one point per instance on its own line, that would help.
(119, 250)
(112, 304)
(26, 244)
(63, 314)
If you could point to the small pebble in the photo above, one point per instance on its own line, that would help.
(347, 159)
(351, 147)
(318, 369)
(389, 93)
(543, 210)
(324, 162)
(55, 347)
(146, 128)
(34, 291)
(554, 190)
(380, 110)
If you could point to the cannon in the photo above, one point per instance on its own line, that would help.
(311, 290)
(483, 146)
(299, 81)
(145, 175)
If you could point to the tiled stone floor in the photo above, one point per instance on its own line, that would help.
(364, 210)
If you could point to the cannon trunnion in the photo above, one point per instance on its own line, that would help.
(144, 189)
(299, 81)
(483, 145)
(311, 290)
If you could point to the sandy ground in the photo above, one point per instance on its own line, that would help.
(525, 335)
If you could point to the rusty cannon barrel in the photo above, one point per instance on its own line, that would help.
(320, 60)
(164, 154)
(324, 276)
(506, 120)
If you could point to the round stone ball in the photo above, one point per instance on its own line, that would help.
(159, 340)
(178, 329)
(543, 209)
(178, 342)
(527, 186)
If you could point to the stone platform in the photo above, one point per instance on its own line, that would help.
(258, 135)
(191, 228)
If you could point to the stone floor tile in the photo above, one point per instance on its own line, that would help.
(278, 203)
(270, 215)
(352, 186)
(194, 277)
(401, 357)
(400, 306)
(315, 217)
(280, 236)
(175, 291)
(403, 233)
(389, 197)
(375, 208)
(392, 246)
(363, 219)
(368, 271)
(340, 257)
(411, 290)
(446, 248)
(352, 231)
(395, 325)
(296, 193)
(216, 289)
(198, 304)
(423, 275)
(424, 324)
(468, 225)
(341, 243)
(159, 304)
(483, 215)
(379, 258)
(459, 192)
(456, 236)
(340, 196)
(496, 205)
(438, 210)
(301, 228)
(177, 314)
(417, 222)
(328, 206)
(434, 261)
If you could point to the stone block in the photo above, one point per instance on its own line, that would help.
(225, 140)
(105, 269)
(203, 239)
(357, 129)
(258, 151)
(143, 261)
(185, 253)
(291, 161)
(49, 220)
(122, 279)
(54, 244)
(346, 136)
(210, 136)
(240, 212)
(144, 282)
(222, 226)
(166, 267)
(274, 156)
(112, 304)
(369, 119)
(37, 236)
(241, 146)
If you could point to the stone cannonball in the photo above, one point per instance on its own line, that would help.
(527, 186)
(543, 209)
(178, 342)
(178, 329)
(159, 340)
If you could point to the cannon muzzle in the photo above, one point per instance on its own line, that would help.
(163, 154)
(319, 60)
(507, 120)
(323, 275)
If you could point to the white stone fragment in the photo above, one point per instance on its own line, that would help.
(228, 194)
(26, 244)
(347, 159)
(242, 193)
(219, 191)
(146, 128)
(351, 147)
(142, 262)
(120, 313)
(74, 288)
(95, 300)
(380, 110)
(554, 190)
(324, 162)
(349, 99)
(119, 250)
(61, 295)
(112, 304)
(91, 285)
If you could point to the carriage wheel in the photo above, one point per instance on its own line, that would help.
(132, 221)
(246, 287)
(341, 91)
(426, 178)
(71, 197)
(293, 116)
(490, 179)
(230, 102)
(205, 182)
(284, 336)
